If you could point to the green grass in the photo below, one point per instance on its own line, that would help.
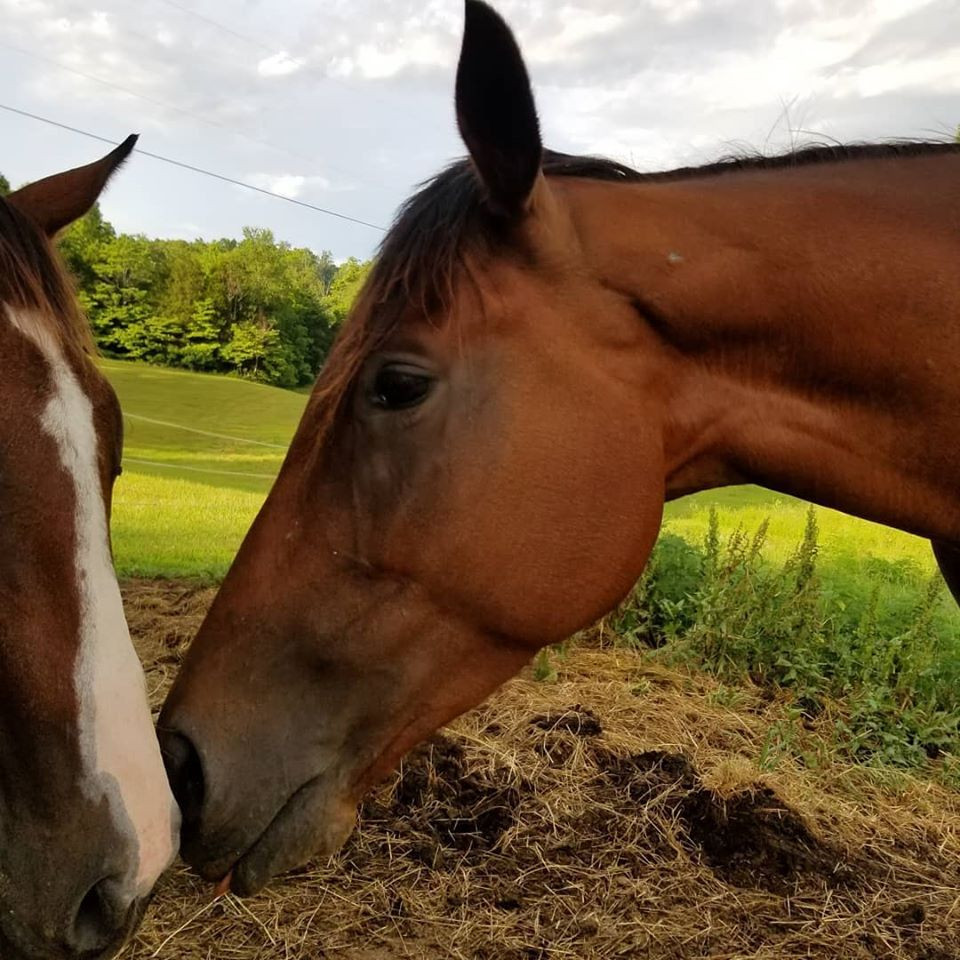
(186, 499)
(855, 558)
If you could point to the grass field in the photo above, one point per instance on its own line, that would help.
(200, 454)
(201, 451)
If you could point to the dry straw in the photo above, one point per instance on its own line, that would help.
(622, 810)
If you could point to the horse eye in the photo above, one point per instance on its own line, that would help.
(397, 388)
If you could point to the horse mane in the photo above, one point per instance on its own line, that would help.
(445, 221)
(34, 281)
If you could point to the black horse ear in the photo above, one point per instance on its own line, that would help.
(495, 110)
(55, 202)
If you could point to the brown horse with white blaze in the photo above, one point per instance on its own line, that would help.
(547, 349)
(87, 819)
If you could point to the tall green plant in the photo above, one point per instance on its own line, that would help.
(725, 608)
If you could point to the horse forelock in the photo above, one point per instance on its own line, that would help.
(36, 287)
(415, 270)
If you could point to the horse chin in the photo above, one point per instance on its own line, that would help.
(310, 824)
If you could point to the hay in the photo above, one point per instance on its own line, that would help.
(620, 811)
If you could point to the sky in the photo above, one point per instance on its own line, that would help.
(348, 104)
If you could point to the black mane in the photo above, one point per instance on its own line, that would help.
(435, 225)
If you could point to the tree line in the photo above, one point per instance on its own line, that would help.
(256, 307)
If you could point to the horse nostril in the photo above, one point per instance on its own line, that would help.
(102, 919)
(185, 773)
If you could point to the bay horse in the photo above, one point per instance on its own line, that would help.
(87, 818)
(547, 349)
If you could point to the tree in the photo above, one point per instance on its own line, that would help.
(126, 273)
(202, 349)
(4, 186)
(82, 244)
(250, 348)
(346, 285)
(256, 307)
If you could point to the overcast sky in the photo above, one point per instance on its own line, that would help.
(347, 104)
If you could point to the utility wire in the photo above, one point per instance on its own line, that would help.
(195, 169)
(221, 26)
(160, 103)
(203, 433)
(274, 48)
(132, 93)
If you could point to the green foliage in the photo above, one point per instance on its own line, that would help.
(4, 186)
(346, 285)
(254, 307)
(545, 662)
(895, 667)
(543, 668)
(659, 608)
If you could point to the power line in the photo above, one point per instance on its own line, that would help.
(203, 433)
(133, 93)
(195, 169)
(221, 26)
(161, 103)
(183, 466)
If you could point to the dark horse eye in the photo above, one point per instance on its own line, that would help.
(397, 388)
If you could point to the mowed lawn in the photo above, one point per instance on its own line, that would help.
(186, 497)
(201, 451)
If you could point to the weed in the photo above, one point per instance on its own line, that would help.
(723, 606)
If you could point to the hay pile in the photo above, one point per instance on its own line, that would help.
(619, 811)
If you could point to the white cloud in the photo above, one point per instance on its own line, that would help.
(96, 24)
(577, 24)
(382, 60)
(100, 24)
(676, 11)
(279, 65)
(938, 72)
(290, 185)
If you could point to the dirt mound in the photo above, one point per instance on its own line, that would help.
(440, 802)
(644, 776)
(750, 839)
(753, 839)
(645, 820)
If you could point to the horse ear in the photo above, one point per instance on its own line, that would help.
(496, 113)
(55, 202)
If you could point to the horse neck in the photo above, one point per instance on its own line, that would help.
(809, 321)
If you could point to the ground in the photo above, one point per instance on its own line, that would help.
(621, 810)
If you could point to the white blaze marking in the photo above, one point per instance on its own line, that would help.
(118, 745)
